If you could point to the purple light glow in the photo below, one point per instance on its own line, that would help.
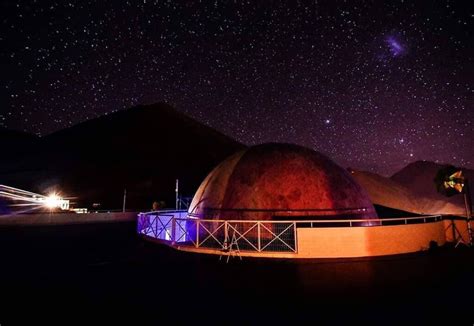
(395, 46)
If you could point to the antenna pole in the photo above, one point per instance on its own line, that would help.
(124, 199)
(177, 194)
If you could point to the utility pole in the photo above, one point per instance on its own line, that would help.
(124, 199)
(177, 194)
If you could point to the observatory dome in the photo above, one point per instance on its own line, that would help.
(280, 182)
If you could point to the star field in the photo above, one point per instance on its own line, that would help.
(373, 85)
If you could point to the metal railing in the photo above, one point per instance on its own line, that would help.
(369, 222)
(176, 227)
(159, 224)
(282, 214)
(260, 236)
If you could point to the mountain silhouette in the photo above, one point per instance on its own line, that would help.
(143, 149)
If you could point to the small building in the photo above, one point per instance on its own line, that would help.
(287, 201)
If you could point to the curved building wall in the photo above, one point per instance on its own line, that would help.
(353, 242)
(368, 241)
(297, 239)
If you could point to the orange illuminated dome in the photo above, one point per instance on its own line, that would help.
(280, 182)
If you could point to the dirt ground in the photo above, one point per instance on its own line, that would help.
(105, 274)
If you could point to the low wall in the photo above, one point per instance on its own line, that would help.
(65, 218)
(305, 239)
(368, 241)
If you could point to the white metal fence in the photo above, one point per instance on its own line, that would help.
(259, 236)
(279, 236)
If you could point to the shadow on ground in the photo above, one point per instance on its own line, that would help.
(103, 273)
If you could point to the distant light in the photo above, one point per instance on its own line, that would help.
(411, 154)
(54, 201)
(28, 198)
(327, 121)
(455, 181)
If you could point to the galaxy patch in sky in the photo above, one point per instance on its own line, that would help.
(395, 45)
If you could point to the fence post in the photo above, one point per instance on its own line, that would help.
(296, 237)
(226, 233)
(259, 246)
(173, 230)
(197, 233)
(154, 226)
(139, 223)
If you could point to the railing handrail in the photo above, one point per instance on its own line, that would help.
(309, 221)
(165, 211)
(168, 227)
(364, 209)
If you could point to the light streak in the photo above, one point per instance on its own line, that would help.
(28, 198)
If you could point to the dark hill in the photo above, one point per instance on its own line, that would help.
(16, 141)
(392, 194)
(143, 149)
(12, 145)
(419, 177)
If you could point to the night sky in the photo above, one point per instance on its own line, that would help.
(374, 85)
